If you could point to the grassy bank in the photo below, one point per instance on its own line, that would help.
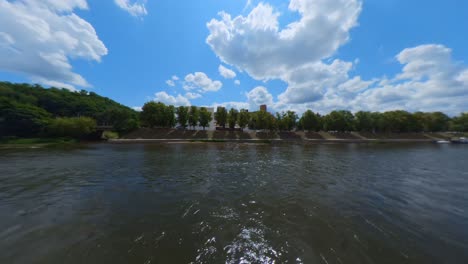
(36, 142)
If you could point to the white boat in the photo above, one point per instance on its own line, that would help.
(461, 140)
(443, 142)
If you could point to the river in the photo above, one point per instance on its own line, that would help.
(235, 203)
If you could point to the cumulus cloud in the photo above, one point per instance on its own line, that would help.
(136, 9)
(256, 97)
(226, 73)
(201, 81)
(192, 96)
(430, 80)
(229, 105)
(237, 82)
(259, 96)
(165, 98)
(38, 38)
(302, 52)
(258, 45)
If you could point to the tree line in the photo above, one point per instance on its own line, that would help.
(160, 115)
(157, 114)
(32, 111)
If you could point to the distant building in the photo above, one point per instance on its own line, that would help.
(212, 125)
(263, 108)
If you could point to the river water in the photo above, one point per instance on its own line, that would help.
(235, 203)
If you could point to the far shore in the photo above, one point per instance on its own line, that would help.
(158, 135)
(263, 141)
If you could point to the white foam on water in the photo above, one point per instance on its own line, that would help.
(250, 246)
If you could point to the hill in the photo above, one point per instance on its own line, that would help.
(31, 110)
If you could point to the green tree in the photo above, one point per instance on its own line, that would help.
(366, 121)
(169, 116)
(339, 120)
(244, 118)
(75, 127)
(290, 120)
(397, 121)
(194, 116)
(221, 116)
(438, 122)
(232, 117)
(460, 123)
(205, 117)
(119, 118)
(310, 121)
(182, 115)
(153, 114)
(22, 120)
(263, 120)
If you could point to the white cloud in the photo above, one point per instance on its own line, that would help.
(430, 80)
(38, 39)
(165, 98)
(170, 83)
(226, 73)
(301, 54)
(200, 80)
(258, 45)
(192, 96)
(137, 108)
(237, 82)
(135, 9)
(229, 105)
(259, 96)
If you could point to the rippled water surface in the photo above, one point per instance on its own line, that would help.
(235, 203)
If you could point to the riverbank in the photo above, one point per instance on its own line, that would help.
(26, 143)
(147, 135)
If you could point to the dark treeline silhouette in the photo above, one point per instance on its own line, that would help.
(33, 111)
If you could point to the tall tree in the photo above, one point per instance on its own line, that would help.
(221, 116)
(193, 116)
(232, 118)
(154, 114)
(460, 123)
(310, 121)
(182, 115)
(205, 117)
(244, 118)
(169, 116)
(339, 120)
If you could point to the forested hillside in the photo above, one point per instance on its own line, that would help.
(31, 110)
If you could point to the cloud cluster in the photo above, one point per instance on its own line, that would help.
(258, 45)
(136, 9)
(38, 38)
(301, 54)
(201, 82)
(165, 98)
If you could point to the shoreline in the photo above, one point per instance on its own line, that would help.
(312, 141)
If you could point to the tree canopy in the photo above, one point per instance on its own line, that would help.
(27, 110)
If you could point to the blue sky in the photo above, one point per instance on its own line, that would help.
(322, 55)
